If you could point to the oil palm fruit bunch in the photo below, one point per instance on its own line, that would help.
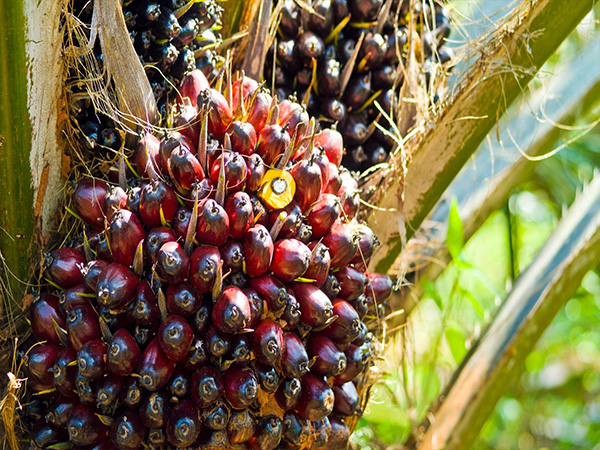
(318, 46)
(219, 296)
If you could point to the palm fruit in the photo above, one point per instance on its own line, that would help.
(235, 321)
(315, 46)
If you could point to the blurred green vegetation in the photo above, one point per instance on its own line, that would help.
(556, 402)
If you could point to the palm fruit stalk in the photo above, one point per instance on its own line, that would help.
(320, 43)
(220, 299)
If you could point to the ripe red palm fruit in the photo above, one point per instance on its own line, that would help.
(123, 353)
(213, 223)
(260, 212)
(243, 138)
(241, 216)
(206, 386)
(320, 260)
(173, 263)
(143, 310)
(115, 199)
(231, 312)
(203, 268)
(182, 299)
(233, 256)
(98, 242)
(85, 427)
(220, 115)
(267, 341)
(335, 182)
(258, 250)
(316, 399)
(291, 258)
(352, 282)
(192, 85)
(82, 326)
(127, 431)
(154, 367)
(351, 202)
(294, 119)
(158, 204)
(91, 271)
(241, 387)
(154, 409)
(91, 359)
(258, 111)
(187, 124)
(294, 361)
(125, 234)
(182, 222)
(249, 87)
(293, 221)
(321, 160)
(315, 306)
(62, 267)
(116, 287)
(346, 327)
(330, 360)
(379, 287)
(256, 307)
(155, 240)
(75, 296)
(146, 155)
(40, 360)
(272, 291)
(183, 425)
(168, 145)
(42, 315)
(323, 214)
(366, 244)
(184, 169)
(290, 318)
(332, 143)
(241, 426)
(356, 360)
(236, 171)
(309, 182)
(256, 171)
(342, 245)
(175, 337)
(273, 140)
(267, 435)
(88, 199)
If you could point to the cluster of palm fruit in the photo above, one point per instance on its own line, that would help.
(316, 46)
(217, 299)
(171, 38)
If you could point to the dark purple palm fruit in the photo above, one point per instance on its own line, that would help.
(290, 319)
(352, 282)
(179, 384)
(288, 393)
(329, 79)
(127, 431)
(256, 172)
(204, 189)
(75, 296)
(123, 353)
(323, 214)
(204, 264)
(231, 312)
(143, 310)
(91, 271)
(206, 386)
(158, 204)
(318, 269)
(333, 110)
(258, 250)
(331, 287)
(273, 140)
(241, 215)
(91, 359)
(184, 169)
(339, 435)
(296, 430)
(320, 432)
(182, 300)
(363, 336)
(172, 263)
(241, 387)
(43, 315)
(154, 367)
(260, 212)
(40, 360)
(142, 335)
(342, 244)
(241, 426)
(233, 256)
(154, 409)
(109, 389)
(294, 361)
(267, 341)
(346, 327)
(62, 267)
(85, 427)
(256, 307)
(268, 377)
(132, 392)
(184, 424)
(309, 46)
(379, 287)
(154, 241)
(218, 342)
(290, 19)
(64, 372)
(268, 434)
(59, 411)
(82, 326)
(356, 362)
(88, 199)
(361, 305)
(236, 171)
(116, 287)
(197, 355)
(243, 138)
(86, 390)
(315, 306)
(272, 291)
(182, 222)
(175, 337)
(346, 399)
(316, 399)
(216, 416)
(213, 223)
(329, 359)
(372, 52)
(357, 92)
(156, 437)
(124, 234)
(291, 258)
(309, 183)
